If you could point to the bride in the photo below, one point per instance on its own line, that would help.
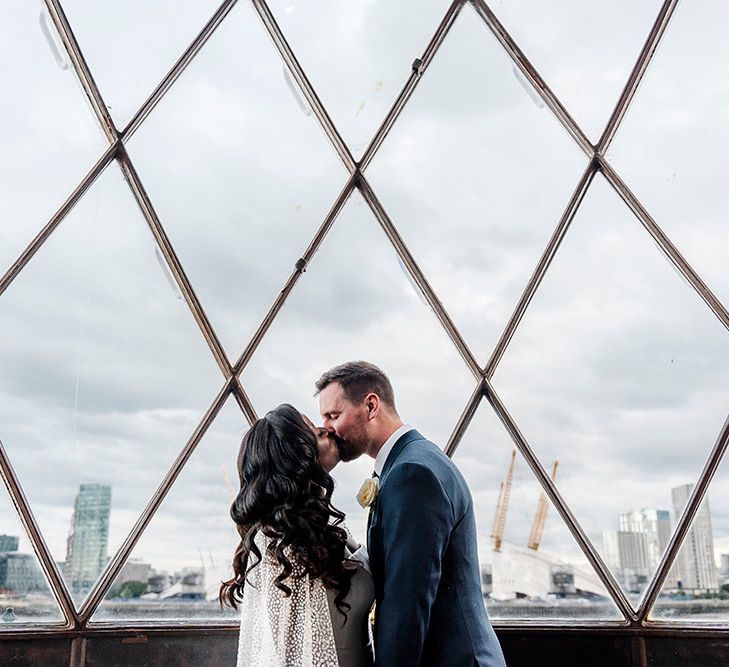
(302, 582)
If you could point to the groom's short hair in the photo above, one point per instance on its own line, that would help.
(357, 379)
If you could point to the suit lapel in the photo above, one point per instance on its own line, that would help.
(397, 449)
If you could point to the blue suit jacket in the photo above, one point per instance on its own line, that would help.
(424, 558)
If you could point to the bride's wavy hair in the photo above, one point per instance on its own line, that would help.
(286, 495)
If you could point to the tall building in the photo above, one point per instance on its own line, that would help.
(634, 551)
(88, 537)
(8, 543)
(655, 525)
(696, 564)
(611, 549)
(723, 569)
(487, 579)
(627, 556)
(20, 573)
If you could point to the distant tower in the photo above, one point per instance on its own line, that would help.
(655, 525)
(626, 554)
(724, 569)
(696, 564)
(8, 543)
(88, 537)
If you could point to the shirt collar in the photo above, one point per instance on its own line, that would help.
(387, 447)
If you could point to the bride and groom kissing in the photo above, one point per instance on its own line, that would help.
(304, 585)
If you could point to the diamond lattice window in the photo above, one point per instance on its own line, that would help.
(520, 218)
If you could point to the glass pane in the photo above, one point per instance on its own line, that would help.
(358, 55)
(583, 50)
(531, 566)
(25, 596)
(51, 137)
(243, 194)
(130, 46)
(666, 149)
(476, 177)
(175, 570)
(356, 302)
(697, 589)
(620, 371)
(105, 376)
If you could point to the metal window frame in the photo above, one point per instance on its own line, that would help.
(79, 622)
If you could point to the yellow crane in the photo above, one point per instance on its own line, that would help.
(502, 504)
(535, 536)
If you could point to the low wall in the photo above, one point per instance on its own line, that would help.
(539, 647)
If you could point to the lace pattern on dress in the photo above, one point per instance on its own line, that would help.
(281, 631)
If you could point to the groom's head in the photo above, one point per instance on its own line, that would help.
(357, 404)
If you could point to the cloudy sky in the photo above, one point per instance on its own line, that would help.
(618, 368)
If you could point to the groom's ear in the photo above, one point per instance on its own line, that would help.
(372, 405)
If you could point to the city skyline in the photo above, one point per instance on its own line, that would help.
(633, 551)
(636, 548)
(160, 590)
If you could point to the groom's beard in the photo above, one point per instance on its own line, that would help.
(347, 450)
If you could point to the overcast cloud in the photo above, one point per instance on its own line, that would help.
(618, 368)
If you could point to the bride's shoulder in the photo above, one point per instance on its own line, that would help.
(268, 546)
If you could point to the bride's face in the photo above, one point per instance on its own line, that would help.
(325, 443)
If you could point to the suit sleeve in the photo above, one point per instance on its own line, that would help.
(417, 517)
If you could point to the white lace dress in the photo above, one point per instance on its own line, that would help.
(296, 631)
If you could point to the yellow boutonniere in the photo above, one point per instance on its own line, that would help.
(368, 492)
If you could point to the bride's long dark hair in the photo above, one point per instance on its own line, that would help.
(286, 495)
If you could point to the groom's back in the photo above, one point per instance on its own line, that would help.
(456, 627)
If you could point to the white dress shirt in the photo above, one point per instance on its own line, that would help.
(387, 447)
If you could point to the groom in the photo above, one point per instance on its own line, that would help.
(421, 529)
